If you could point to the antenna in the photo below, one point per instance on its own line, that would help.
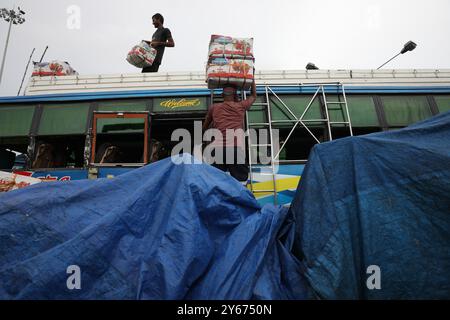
(26, 69)
(43, 54)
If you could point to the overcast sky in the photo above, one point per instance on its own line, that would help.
(345, 34)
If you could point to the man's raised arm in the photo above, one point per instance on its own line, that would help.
(250, 100)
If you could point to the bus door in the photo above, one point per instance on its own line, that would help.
(119, 143)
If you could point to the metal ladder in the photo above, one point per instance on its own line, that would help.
(342, 106)
(321, 88)
(268, 126)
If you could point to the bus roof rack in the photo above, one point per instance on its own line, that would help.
(196, 80)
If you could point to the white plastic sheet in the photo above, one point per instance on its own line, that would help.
(142, 55)
(230, 62)
(11, 181)
(53, 68)
(229, 47)
(237, 72)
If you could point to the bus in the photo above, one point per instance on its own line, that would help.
(100, 126)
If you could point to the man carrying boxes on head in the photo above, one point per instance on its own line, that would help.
(228, 117)
(230, 66)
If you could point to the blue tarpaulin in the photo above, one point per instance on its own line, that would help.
(170, 230)
(379, 202)
(179, 230)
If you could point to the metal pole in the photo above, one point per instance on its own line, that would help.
(43, 54)
(272, 160)
(26, 69)
(389, 60)
(6, 48)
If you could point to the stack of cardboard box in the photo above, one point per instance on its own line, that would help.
(230, 62)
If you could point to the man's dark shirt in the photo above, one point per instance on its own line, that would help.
(161, 35)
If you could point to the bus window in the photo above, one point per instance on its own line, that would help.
(61, 136)
(443, 103)
(297, 105)
(402, 111)
(119, 148)
(63, 119)
(15, 125)
(164, 125)
(361, 110)
(59, 152)
(120, 138)
(15, 121)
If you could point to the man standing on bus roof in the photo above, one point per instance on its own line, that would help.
(229, 116)
(161, 39)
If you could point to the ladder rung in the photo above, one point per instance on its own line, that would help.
(260, 104)
(259, 124)
(260, 164)
(335, 102)
(292, 161)
(260, 145)
(340, 122)
(256, 109)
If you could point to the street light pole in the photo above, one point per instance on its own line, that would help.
(409, 46)
(13, 18)
(389, 60)
(6, 49)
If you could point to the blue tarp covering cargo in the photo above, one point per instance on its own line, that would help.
(176, 230)
(171, 230)
(378, 200)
